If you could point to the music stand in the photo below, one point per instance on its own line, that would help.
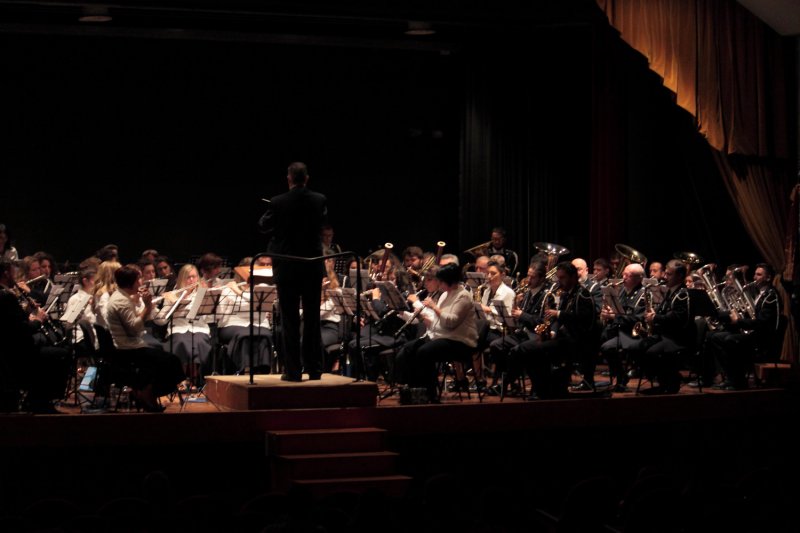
(354, 273)
(479, 313)
(344, 303)
(611, 299)
(157, 286)
(475, 279)
(504, 316)
(263, 299)
(210, 306)
(166, 314)
(70, 318)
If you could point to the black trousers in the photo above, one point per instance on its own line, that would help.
(290, 294)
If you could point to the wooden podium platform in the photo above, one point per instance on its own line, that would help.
(269, 392)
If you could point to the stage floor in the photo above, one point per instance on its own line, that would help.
(197, 420)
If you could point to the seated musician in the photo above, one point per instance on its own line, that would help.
(148, 269)
(7, 250)
(617, 332)
(42, 371)
(331, 323)
(164, 270)
(453, 334)
(498, 247)
(104, 286)
(210, 265)
(328, 246)
(448, 259)
(657, 272)
(83, 335)
(672, 330)
(109, 252)
(601, 270)
(30, 274)
(158, 372)
(528, 314)
(491, 328)
(47, 265)
(743, 336)
(234, 326)
(377, 335)
(566, 334)
(189, 340)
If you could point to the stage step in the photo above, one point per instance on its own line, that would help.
(336, 465)
(392, 486)
(317, 441)
(334, 460)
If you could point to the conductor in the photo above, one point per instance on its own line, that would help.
(293, 222)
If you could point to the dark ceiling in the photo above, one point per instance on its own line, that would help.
(343, 23)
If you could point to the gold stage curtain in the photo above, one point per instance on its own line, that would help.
(726, 67)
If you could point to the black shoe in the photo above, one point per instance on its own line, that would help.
(314, 377)
(287, 377)
(621, 388)
(531, 397)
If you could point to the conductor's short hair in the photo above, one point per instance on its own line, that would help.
(298, 172)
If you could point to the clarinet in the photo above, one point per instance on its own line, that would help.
(413, 317)
(47, 327)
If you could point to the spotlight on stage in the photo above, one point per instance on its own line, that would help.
(418, 27)
(95, 14)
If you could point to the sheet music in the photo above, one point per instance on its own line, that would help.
(611, 299)
(166, 312)
(504, 316)
(366, 304)
(391, 295)
(157, 286)
(74, 311)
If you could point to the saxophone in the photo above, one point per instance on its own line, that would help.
(544, 330)
(643, 328)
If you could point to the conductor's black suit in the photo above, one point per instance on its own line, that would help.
(294, 222)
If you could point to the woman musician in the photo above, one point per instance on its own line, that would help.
(452, 336)
(189, 340)
(104, 287)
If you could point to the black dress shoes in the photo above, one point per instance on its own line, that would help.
(287, 377)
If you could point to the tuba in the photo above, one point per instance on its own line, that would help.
(737, 298)
(627, 256)
(553, 251)
(479, 249)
